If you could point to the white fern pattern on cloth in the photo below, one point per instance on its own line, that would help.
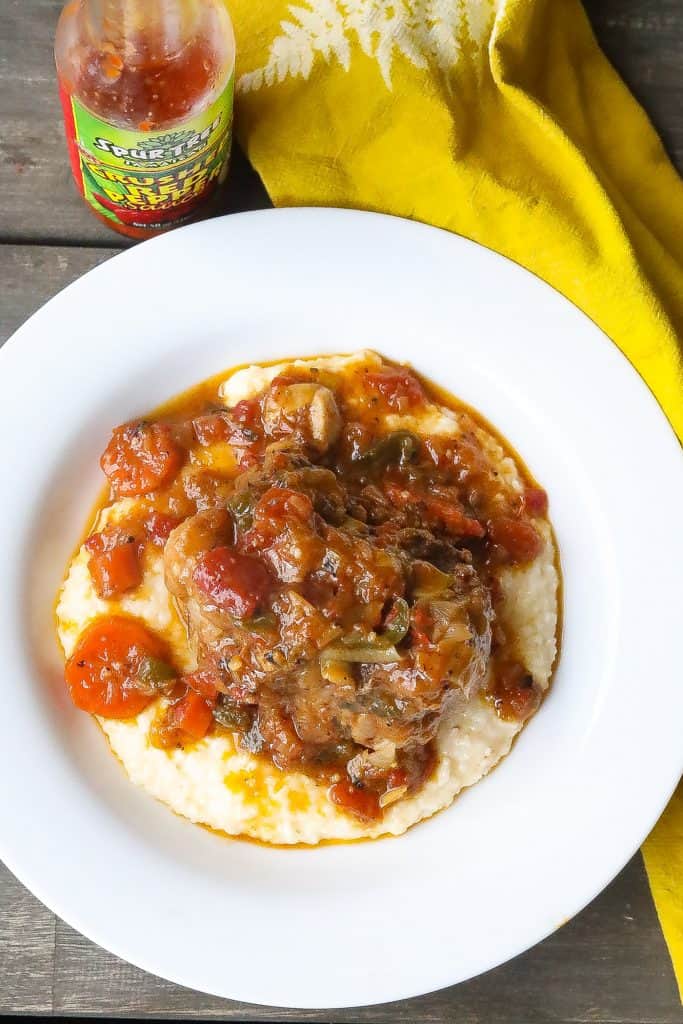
(423, 31)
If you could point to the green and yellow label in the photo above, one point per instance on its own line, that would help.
(148, 179)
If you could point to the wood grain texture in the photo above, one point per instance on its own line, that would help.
(644, 41)
(27, 947)
(32, 274)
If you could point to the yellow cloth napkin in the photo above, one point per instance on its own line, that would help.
(500, 120)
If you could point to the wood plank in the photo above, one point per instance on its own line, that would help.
(32, 274)
(609, 964)
(644, 41)
(644, 38)
(27, 945)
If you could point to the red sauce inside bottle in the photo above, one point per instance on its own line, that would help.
(148, 68)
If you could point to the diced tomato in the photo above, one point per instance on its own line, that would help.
(203, 682)
(281, 503)
(114, 562)
(247, 412)
(514, 696)
(159, 526)
(454, 519)
(361, 802)
(211, 428)
(274, 508)
(141, 457)
(108, 538)
(234, 582)
(399, 387)
(517, 537)
(193, 714)
(239, 430)
(103, 672)
(535, 501)
(285, 380)
(437, 510)
(186, 720)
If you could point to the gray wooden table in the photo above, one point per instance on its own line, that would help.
(610, 963)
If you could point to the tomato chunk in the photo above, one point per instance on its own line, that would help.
(441, 510)
(193, 714)
(535, 501)
(114, 562)
(240, 429)
(282, 503)
(104, 670)
(235, 583)
(159, 526)
(203, 682)
(438, 510)
(518, 538)
(514, 695)
(274, 508)
(247, 412)
(398, 386)
(211, 428)
(184, 721)
(141, 457)
(361, 802)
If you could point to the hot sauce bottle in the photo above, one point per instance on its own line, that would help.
(147, 90)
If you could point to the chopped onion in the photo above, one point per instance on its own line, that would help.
(384, 754)
(428, 581)
(383, 757)
(367, 653)
(335, 672)
(392, 795)
(448, 625)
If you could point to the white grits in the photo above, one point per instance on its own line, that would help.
(217, 784)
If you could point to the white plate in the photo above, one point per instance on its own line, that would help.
(518, 854)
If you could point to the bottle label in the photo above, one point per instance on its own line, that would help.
(148, 179)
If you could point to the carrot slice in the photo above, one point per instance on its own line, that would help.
(103, 672)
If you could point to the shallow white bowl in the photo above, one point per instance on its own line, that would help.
(517, 855)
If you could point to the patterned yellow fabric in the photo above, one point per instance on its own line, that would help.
(501, 120)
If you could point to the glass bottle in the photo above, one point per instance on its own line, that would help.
(147, 90)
